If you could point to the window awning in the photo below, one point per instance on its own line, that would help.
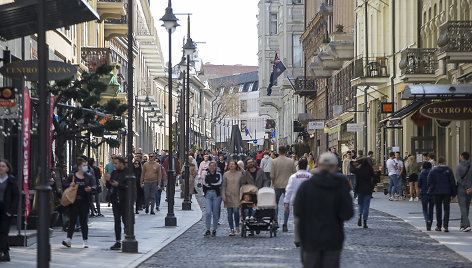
(398, 116)
(440, 91)
(20, 18)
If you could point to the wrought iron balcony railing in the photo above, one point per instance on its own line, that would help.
(123, 20)
(306, 86)
(419, 61)
(455, 36)
(371, 67)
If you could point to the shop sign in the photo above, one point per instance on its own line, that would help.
(29, 69)
(315, 125)
(355, 127)
(448, 110)
(386, 107)
(211, 139)
(7, 97)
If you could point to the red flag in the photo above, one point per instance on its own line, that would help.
(26, 147)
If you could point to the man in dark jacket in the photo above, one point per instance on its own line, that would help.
(9, 195)
(427, 201)
(442, 185)
(322, 204)
(254, 175)
(464, 189)
(118, 186)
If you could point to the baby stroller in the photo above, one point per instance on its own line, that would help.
(264, 219)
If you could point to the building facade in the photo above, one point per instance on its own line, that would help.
(280, 26)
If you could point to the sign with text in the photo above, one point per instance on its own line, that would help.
(7, 97)
(386, 107)
(315, 125)
(448, 110)
(29, 69)
(355, 127)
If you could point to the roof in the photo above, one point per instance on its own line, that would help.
(212, 71)
(249, 82)
(20, 18)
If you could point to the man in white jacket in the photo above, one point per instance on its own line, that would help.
(265, 164)
(294, 183)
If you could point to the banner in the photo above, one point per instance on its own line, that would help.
(26, 147)
(51, 118)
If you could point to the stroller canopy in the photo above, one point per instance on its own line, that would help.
(266, 198)
(247, 189)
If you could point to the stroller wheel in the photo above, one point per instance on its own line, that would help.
(243, 230)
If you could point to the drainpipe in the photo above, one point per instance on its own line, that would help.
(366, 63)
(394, 73)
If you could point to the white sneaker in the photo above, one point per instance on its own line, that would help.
(411, 199)
(417, 199)
(85, 244)
(231, 233)
(466, 229)
(66, 243)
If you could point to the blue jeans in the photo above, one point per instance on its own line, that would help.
(212, 204)
(249, 212)
(428, 207)
(278, 194)
(233, 217)
(363, 201)
(158, 197)
(399, 185)
(352, 179)
(392, 184)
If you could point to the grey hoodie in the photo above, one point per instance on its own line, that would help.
(461, 170)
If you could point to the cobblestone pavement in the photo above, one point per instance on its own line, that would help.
(389, 242)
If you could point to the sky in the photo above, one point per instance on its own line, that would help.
(228, 28)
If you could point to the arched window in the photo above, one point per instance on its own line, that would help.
(440, 6)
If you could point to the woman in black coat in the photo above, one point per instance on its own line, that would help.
(9, 195)
(137, 168)
(365, 177)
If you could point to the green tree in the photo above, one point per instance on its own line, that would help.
(88, 115)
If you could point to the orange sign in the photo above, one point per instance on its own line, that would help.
(386, 107)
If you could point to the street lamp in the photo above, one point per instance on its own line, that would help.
(130, 244)
(170, 23)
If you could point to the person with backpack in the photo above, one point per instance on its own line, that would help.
(464, 189)
(442, 185)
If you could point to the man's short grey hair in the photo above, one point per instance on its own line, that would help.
(328, 159)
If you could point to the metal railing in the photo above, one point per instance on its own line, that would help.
(123, 20)
(372, 67)
(305, 84)
(419, 61)
(455, 36)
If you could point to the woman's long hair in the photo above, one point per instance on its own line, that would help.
(238, 168)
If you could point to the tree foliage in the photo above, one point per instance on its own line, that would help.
(88, 115)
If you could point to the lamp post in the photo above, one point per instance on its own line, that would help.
(189, 48)
(130, 244)
(170, 23)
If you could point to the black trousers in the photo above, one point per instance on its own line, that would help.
(5, 222)
(442, 201)
(119, 214)
(79, 209)
(321, 259)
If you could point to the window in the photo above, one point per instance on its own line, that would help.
(222, 91)
(250, 87)
(297, 2)
(231, 90)
(241, 87)
(244, 106)
(296, 51)
(273, 24)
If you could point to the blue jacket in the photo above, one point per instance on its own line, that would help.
(441, 181)
(423, 181)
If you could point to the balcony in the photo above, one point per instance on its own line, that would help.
(418, 65)
(116, 27)
(455, 42)
(110, 9)
(306, 87)
(371, 71)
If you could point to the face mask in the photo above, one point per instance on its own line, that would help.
(85, 169)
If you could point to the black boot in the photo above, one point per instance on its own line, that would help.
(365, 224)
(5, 257)
(428, 226)
(359, 221)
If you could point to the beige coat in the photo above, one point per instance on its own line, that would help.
(191, 179)
(280, 171)
(230, 188)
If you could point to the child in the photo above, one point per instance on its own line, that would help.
(248, 207)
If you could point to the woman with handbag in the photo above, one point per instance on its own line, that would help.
(230, 195)
(9, 195)
(412, 172)
(82, 184)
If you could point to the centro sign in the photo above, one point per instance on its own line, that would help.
(29, 69)
(448, 110)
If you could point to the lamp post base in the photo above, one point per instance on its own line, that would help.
(186, 205)
(171, 221)
(129, 245)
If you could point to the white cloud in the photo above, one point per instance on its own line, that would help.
(228, 27)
